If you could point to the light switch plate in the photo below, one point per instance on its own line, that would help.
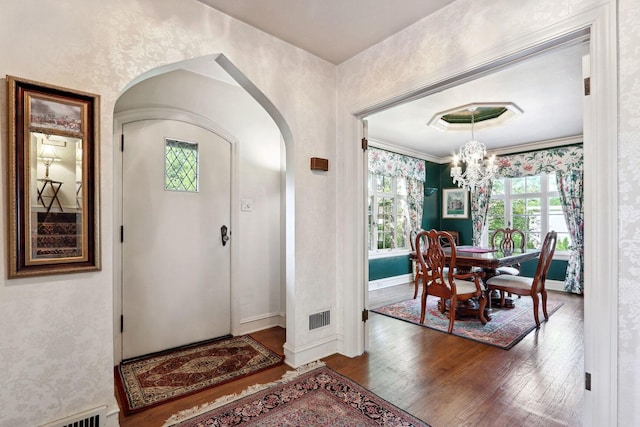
(246, 205)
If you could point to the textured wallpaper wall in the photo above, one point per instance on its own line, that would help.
(56, 334)
(629, 212)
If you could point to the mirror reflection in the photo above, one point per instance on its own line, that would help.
(56, 196)
(53, 180)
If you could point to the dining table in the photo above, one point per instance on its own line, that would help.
(489, 260)
(486, 261)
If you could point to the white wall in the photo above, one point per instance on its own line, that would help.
(629, 212)
(56, 346)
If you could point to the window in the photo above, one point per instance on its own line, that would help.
(396, 195)
(388, 213)
(181, 166)
(531, 204)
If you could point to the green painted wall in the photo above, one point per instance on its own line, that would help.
(557, 270)
(381, 268)
(431, 206)
(463, 226)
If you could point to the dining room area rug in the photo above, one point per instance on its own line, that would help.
(507, 326)
(312, 395)
(152, 380)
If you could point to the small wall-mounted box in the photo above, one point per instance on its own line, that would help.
(318, 164)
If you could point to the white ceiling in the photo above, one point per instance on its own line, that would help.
(334, 30)
(546, 87)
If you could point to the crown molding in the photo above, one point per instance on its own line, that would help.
(407, 152)
(536, 146)
(522, 148)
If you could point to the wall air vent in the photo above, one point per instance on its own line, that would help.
(94, 418)
(318, 320)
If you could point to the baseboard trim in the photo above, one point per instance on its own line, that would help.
(296, 357)
(113, 416)
(259, 323)
(387, 282)
(554, 285)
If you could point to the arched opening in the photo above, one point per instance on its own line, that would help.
(210, 93)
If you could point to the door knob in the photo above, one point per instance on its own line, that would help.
(225, 237)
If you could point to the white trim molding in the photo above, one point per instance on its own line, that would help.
(299, 356)
(259, 323)
(533, 146)
(407, 152)
(388, 282)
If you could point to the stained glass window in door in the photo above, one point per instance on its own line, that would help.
(181, 166)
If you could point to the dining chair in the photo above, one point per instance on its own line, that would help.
(524, 286)
(416, 264)
(444, 282)
(507, 240)
(422, 244)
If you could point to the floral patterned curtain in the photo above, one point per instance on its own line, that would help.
(570, 188)
(415, 200)
(387, 163)
(382, 162)
(561, 159)
(568, 163)
(480, 198)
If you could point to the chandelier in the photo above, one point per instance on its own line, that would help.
(477, 172)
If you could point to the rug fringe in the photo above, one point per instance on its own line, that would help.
(199, 410)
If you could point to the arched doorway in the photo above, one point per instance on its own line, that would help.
(200, 92)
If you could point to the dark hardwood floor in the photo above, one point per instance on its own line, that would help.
(443, 379)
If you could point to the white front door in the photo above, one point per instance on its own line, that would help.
(175, 268)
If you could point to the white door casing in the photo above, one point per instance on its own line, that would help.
(176, 271)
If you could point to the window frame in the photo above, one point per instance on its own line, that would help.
(182, 145)
(374, 197)
(545, 194)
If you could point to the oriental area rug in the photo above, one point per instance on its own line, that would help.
(505, 329)
(313, 395)
(149, 381)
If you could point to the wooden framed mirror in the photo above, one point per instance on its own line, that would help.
(53, 179)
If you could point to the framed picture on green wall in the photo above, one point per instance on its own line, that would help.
(455, 203)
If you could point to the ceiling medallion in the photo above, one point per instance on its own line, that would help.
(478, 172)
(485, 114)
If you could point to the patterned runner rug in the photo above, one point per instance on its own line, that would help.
(505, 329)
(156, 379)
(313, 395)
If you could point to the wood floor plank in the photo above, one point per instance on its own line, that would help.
(443, 379)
